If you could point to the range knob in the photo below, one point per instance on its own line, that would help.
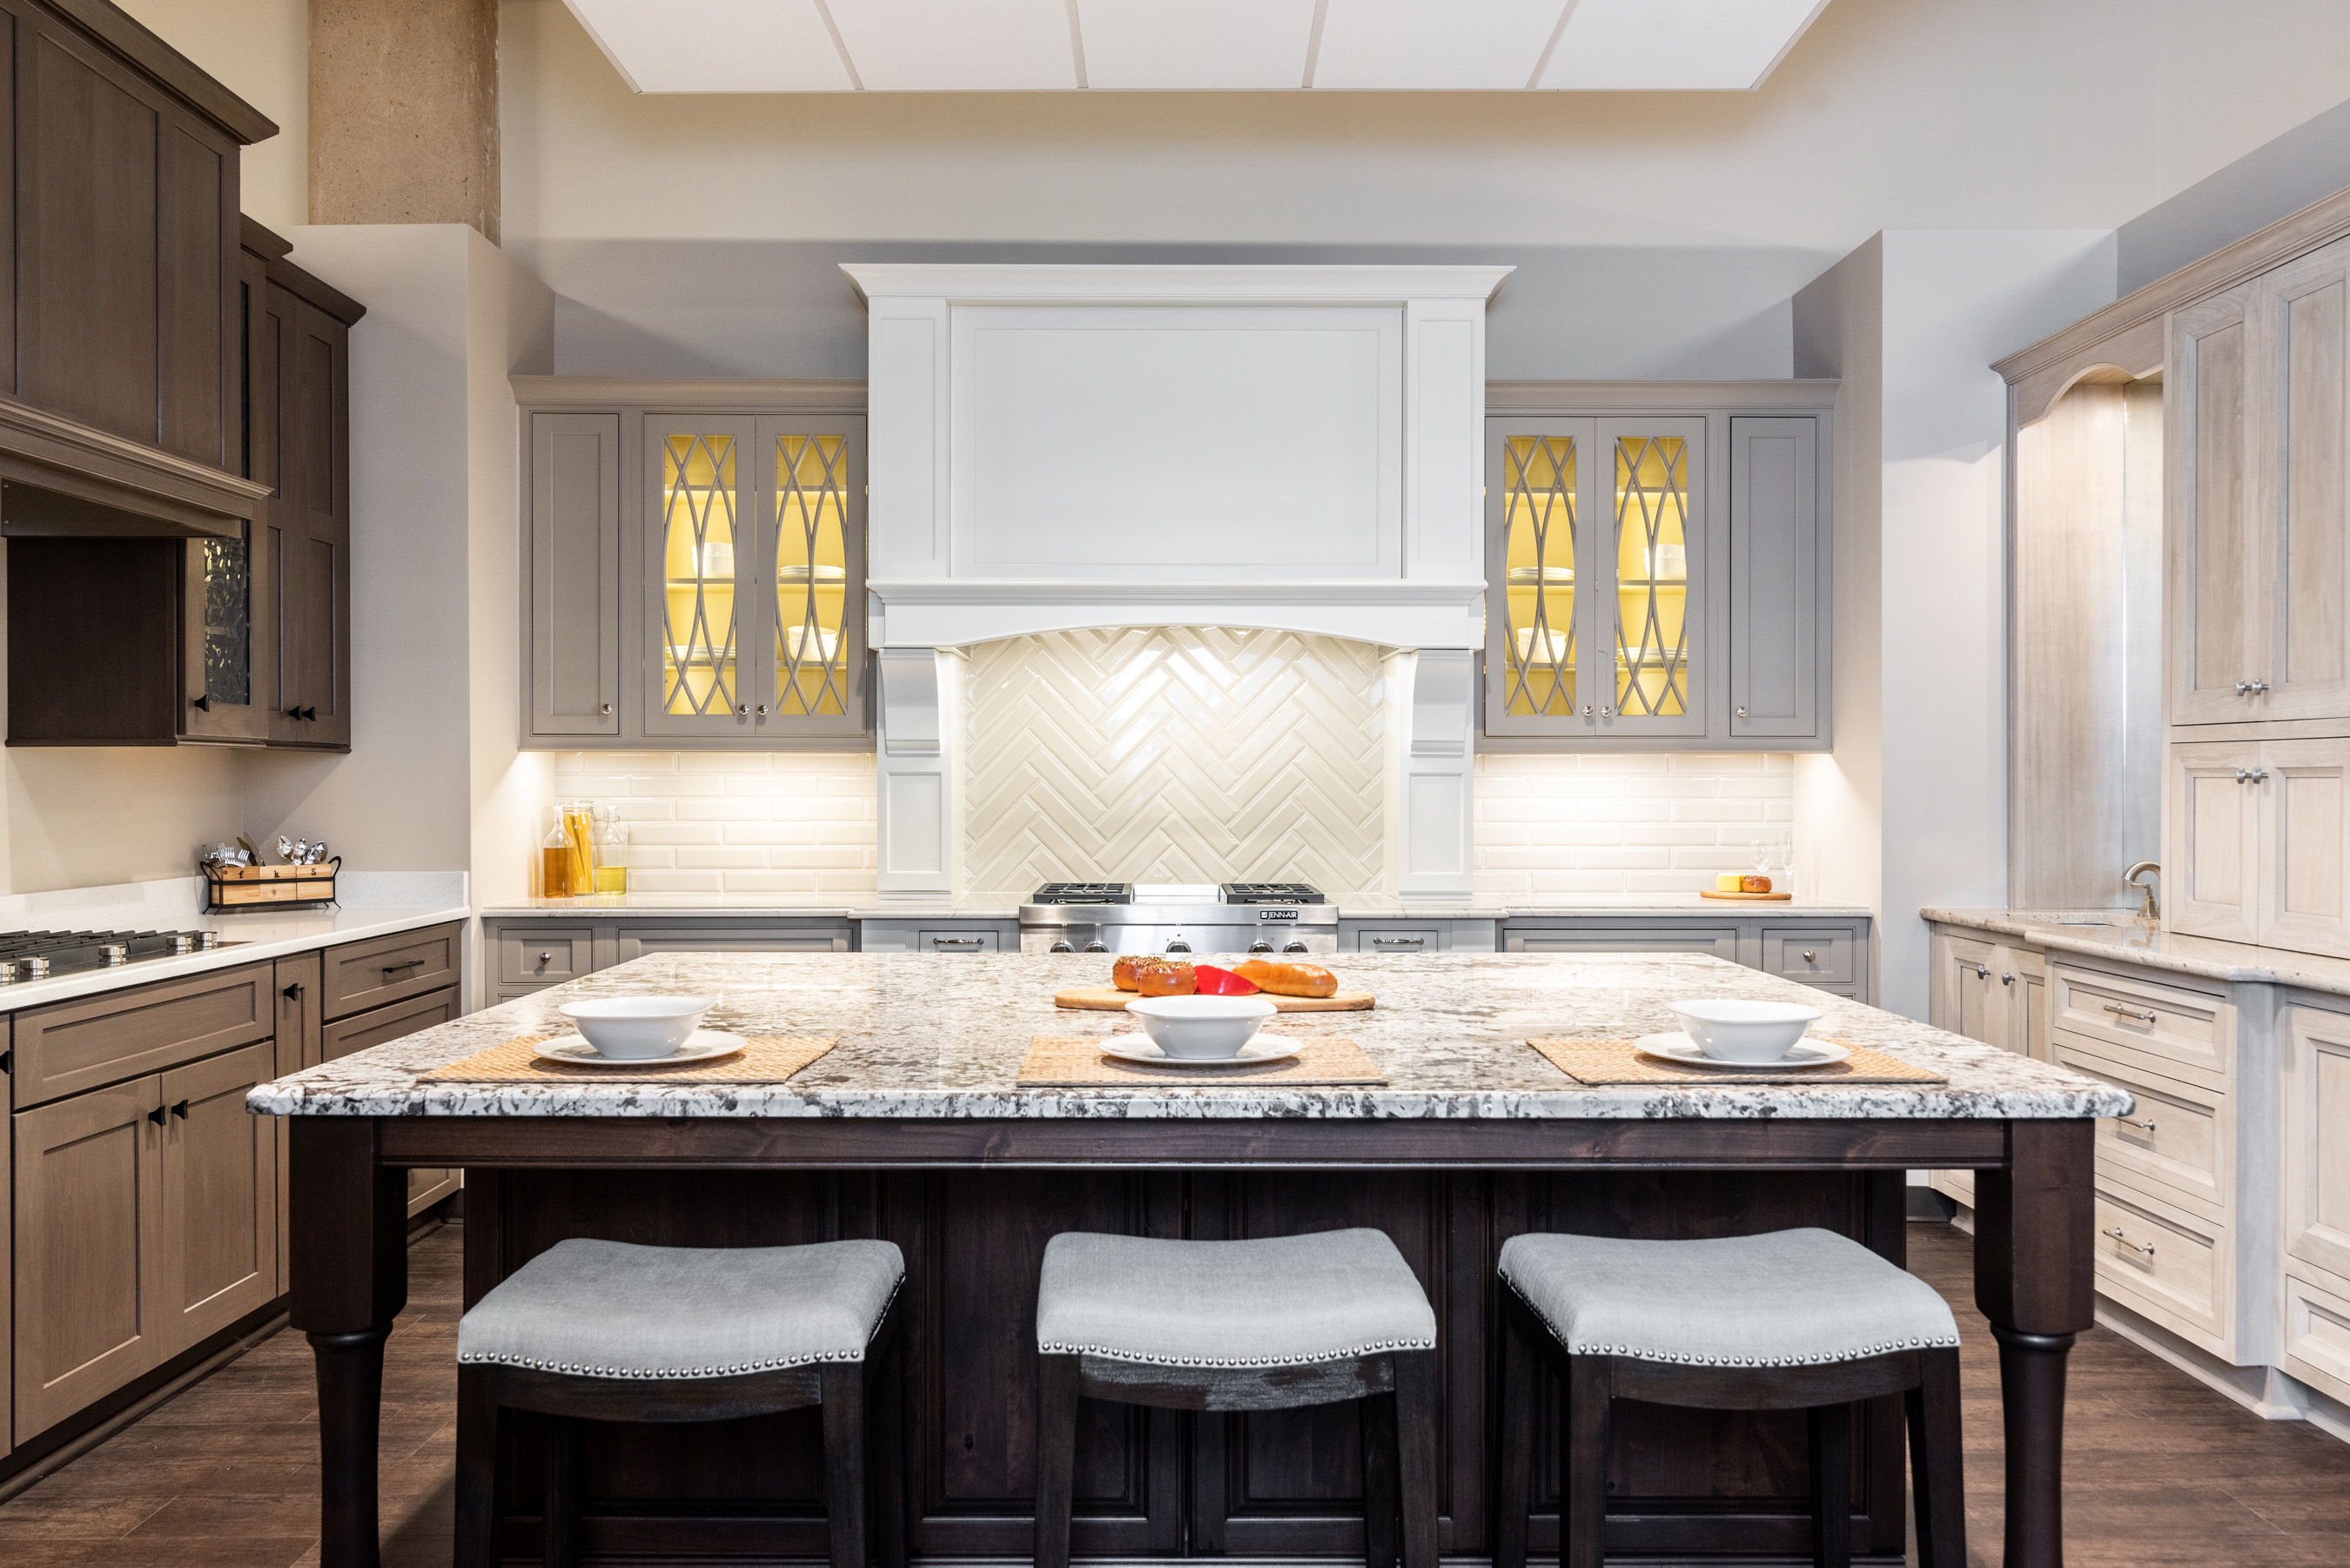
(182, 942)
(1060, 947)
(114, 953)
(1260, 946)
(1096, 948)
(37, 969)
(1294, 947)
(1178, 946)
(208, 939)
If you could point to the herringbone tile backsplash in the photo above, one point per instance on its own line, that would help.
(1173, 754)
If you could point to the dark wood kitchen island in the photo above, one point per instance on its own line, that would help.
(913, 1129)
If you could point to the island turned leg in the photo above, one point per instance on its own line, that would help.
(349, 1258)
(2035, 1279)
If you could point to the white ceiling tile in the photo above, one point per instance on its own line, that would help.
(958, 45)
(1663, 44)
(1460, 44)
(716, 45)
(1198, 45)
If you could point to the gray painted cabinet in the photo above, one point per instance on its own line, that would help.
(695, 566)
(1658, 573)
(1828, 950)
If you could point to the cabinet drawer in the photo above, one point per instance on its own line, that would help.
(383, 1024)
(2156, 1261)
(406, 963)
(545, 955)
(2317, 1335)
(1815, 958)
(956, 941)
(1399, 939)
(70, 1046)
(2147, 1022)
(671, 937)
(2180, 1138)
(1721, 941)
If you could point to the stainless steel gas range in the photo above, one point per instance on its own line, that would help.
(1178, 918)
(42, 955)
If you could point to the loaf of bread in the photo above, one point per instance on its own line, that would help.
(1165, 977)
(1288, 978)
(1121, 973)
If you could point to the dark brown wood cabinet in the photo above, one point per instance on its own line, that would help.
(241, 639)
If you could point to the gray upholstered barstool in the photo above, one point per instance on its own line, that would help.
(1795, 1320)
(606, 1330)
(1272, 1323)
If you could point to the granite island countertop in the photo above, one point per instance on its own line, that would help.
(922, 1038)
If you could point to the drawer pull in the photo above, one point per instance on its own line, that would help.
(1399, 941)
(958, 941)
(2118, 1011)
(2118, 1235)
(404, 963)
(546, 958)
(2146, 1127)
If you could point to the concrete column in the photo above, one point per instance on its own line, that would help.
(404, 112)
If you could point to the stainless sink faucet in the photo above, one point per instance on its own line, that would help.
(2152, 911)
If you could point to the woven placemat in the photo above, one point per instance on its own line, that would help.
(1076, 1062)
(1603, 1061)
(761, 1061)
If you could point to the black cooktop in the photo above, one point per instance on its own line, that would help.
(1272, 893)
(1085, 893)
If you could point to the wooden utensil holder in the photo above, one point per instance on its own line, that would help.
(228, 888)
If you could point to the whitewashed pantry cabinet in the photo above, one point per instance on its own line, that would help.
(1656, 566)
(694, 572)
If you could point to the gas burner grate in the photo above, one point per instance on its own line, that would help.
(38, 955)
(1085, 893)
(1273, 893)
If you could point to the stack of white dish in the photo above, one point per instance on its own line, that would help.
(623, 1030)
(1730, 1032)
(1201, 1032)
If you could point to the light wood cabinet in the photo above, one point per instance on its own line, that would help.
(1656, 581)
(2211, 531)
(2315, 1105)
(1990, 991)
(2258, 843)
(2299, 569)
(695, 575)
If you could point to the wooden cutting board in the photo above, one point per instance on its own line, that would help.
(1109, 999)
(1750, 897)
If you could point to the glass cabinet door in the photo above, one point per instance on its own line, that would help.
(218, 596)
(813, 492)
(1538, 500)
(702, 542)
(1650, 592)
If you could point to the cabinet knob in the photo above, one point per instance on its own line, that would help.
(1605, 711)
(181, 1110)
(605, 709)
(156, 1115)
(2007, 980)
(294, 992)
(308, 715)
(763, 710)
(204, 704)
(743, 708)
(1742, 712)
(1810, 956)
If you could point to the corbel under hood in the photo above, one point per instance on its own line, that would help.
(1292, 447)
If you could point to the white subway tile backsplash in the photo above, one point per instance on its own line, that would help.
(788, 823)
(1589, 825)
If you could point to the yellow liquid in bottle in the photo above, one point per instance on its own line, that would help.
(612, 878)
(555, 872)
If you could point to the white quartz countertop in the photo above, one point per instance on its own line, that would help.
(2115, 934)
(922, 1038)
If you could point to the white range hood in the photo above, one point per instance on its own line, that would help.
(1297, 447)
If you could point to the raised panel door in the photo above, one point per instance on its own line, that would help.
(701, 566)
(1646, 604)
(1775, 578)
(2303, 788)
(2314, 1103)
(314, 564)
(1972, 1000)
(2208, 510)
(575, 575)
(300, 1025)
(196, 242)
(2211, 840)
(268, 330)
(89, 1229)
(2300, 565)
(1540, 494)
(219, 1258)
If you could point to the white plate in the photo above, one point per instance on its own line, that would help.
(703, 1045)
(1806, 1053)
(1259, 1048)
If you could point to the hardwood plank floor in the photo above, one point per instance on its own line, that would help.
(2161, 1472)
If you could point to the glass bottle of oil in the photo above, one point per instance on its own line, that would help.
(611, 851)
(554, 861)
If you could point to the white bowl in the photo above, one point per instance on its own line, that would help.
(1203, 1028)
(1732, 1031)
(636, 1028)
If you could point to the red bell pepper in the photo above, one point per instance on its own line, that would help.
(1215, 981)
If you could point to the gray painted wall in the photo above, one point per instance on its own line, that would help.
(782, 307)
(2310, 160)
